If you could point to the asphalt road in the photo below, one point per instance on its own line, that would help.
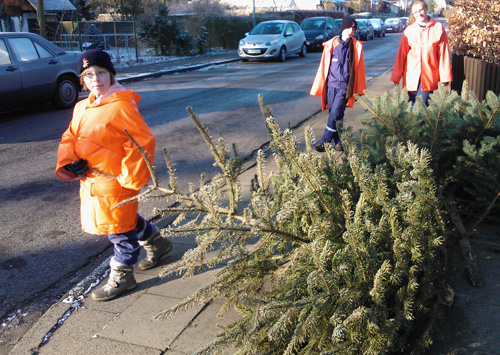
(42, 249)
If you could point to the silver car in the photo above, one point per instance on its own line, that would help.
(33, 70)
(273, 39)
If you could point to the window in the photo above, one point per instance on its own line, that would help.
(4, 54)
(26, 50)
(42, 52)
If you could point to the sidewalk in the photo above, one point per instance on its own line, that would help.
(126, 325)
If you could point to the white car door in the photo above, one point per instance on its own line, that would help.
(290, 39)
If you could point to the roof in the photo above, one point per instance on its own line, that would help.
(54, 5)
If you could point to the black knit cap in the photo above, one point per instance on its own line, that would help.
(95, 57)
(348, 22)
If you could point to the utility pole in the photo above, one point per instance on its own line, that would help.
(41, 18)
(253, 13)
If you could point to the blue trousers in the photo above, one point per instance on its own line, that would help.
(336, 107)
(126, 245)
(424, 94)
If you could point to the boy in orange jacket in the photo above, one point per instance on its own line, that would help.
(96, 150)
(341, 74)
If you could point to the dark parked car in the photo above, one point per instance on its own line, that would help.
(33, 70)
(319, 30)
(393, 25)
(378, 27)
(365, 29)
(338, 21)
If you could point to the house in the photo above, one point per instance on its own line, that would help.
(23, 15)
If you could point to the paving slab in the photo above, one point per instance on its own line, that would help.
(136, 325)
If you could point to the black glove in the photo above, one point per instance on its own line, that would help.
(78, 167)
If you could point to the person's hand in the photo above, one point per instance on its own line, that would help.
(78, 167)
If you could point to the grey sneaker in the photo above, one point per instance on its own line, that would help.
(338, 147)
(121, 280)
(156, 247)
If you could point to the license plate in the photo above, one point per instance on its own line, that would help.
(254, 51)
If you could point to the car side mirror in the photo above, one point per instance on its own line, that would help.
(328, 28)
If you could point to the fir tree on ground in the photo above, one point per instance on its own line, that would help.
(325, 258)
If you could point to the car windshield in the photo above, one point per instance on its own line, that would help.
(268, 28)
(392, 20)
(312, 25)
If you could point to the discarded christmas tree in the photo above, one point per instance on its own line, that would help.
(326, 257)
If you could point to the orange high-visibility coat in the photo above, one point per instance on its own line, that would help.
(423, 55)
(319, 87)
(96, 133)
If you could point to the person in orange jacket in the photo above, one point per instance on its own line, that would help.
(340, 75)
(96, 150)
(423, 58)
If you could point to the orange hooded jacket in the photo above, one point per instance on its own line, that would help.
(96, 133)
(319, 87)
(423, 55)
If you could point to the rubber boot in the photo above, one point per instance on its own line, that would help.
(121, 280)
(156, 247)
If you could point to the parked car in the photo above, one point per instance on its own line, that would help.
(273, 40)
(319, 30)
(393, 25)
(338, 21)
(33, 70)
(378, 27)
(365, 29)
(404, 21)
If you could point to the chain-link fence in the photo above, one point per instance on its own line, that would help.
(121, 46)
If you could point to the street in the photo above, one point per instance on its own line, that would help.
(43, 252)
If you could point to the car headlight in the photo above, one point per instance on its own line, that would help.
(320, 37)
(273, 42)
(242, 43)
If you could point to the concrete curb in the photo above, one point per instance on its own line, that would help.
(123, 80)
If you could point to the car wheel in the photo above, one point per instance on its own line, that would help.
(244, 60)
(303, 51)
(282, 55)
(66, 92)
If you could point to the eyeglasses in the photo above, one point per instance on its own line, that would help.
(419, 11)
(100, 74)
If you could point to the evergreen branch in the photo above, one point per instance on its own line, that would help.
(291, 156)
(146, 159)
(286, 235)
(171, 170)
(219, 159)
(486, 211)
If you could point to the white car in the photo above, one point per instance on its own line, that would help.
(273, 39)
